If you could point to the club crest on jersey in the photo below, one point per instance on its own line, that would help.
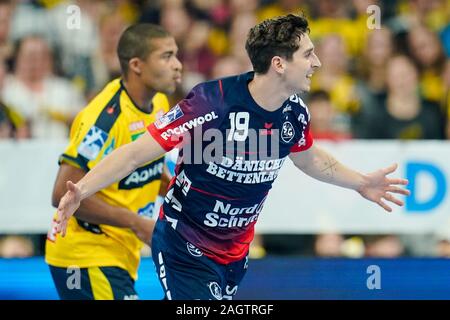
(92, 143)
(173, 114)
(287, 131)
(215, 289)
(193, 250)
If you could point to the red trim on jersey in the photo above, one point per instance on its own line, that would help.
(213, 194)
(309, 143)
(220, 87)
(161, 212)
(155, 134)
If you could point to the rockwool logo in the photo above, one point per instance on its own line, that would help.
(189, 125)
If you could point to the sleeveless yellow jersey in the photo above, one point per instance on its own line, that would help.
(109, 121)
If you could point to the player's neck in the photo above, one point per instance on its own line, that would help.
(141, 96)
(266, 93)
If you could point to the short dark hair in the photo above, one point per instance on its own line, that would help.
(135, 42)
(275, 37)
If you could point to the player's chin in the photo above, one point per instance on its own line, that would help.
(305, 88)
(169, 88)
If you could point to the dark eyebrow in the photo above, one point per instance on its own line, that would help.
(309, 50)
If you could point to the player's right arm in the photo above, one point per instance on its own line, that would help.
(95, 210)
(113, 167)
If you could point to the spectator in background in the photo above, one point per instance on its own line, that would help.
(6, 46)
(281, 7)
(75, 42)
(371, 76)
(104, 62)
(334, 77)
(12, 124)
(240, 26)
(227, 66)
(49, 103)
(431, 13)
(426, 50)
(328, 123)
(328, 245)
(16, 247)
(405, 113)
(446, 77)
(383, 246)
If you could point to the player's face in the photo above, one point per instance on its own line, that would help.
(302, 66)
(161, 71)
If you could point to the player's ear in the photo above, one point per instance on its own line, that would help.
(135, 65)
(278, 64)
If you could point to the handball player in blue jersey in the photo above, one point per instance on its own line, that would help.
(235, 134)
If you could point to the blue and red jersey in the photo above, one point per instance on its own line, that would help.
(232, 151)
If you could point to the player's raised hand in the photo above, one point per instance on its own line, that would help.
(379, 187)
(67, 206)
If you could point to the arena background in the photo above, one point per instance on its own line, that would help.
(314, 241)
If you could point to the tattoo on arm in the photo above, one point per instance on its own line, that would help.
(330, 167)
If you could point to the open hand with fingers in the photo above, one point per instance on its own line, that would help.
(379, 188)
(67, 206)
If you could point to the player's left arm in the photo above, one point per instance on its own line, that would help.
(375, 186)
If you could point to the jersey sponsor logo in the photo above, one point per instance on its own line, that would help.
(163, 276)
(172, 115)
(230, 291)
(148, 210)
(193, 250)
(302, 119)
(142, 175)
(294, 98)
(287, 131)
(92, 143)
(236, 171)
(225, 216)
(184, 182)
(159, 113)
(109, 148)
(302, 141)
(215, 289)
(137, 125)
(189, 125)
(287, 108)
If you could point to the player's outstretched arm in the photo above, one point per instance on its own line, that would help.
(113, 167)
(376, 186)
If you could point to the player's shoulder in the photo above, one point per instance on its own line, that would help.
(220, 87)
(297, 105)
(103, 110)
(102, 100)
(104, 97)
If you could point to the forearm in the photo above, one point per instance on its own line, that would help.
(322, 166)
(95, 210)
(112, 168)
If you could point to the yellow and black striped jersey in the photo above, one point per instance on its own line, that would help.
(110, 120)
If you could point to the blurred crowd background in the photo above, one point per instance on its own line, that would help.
(380, 79)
